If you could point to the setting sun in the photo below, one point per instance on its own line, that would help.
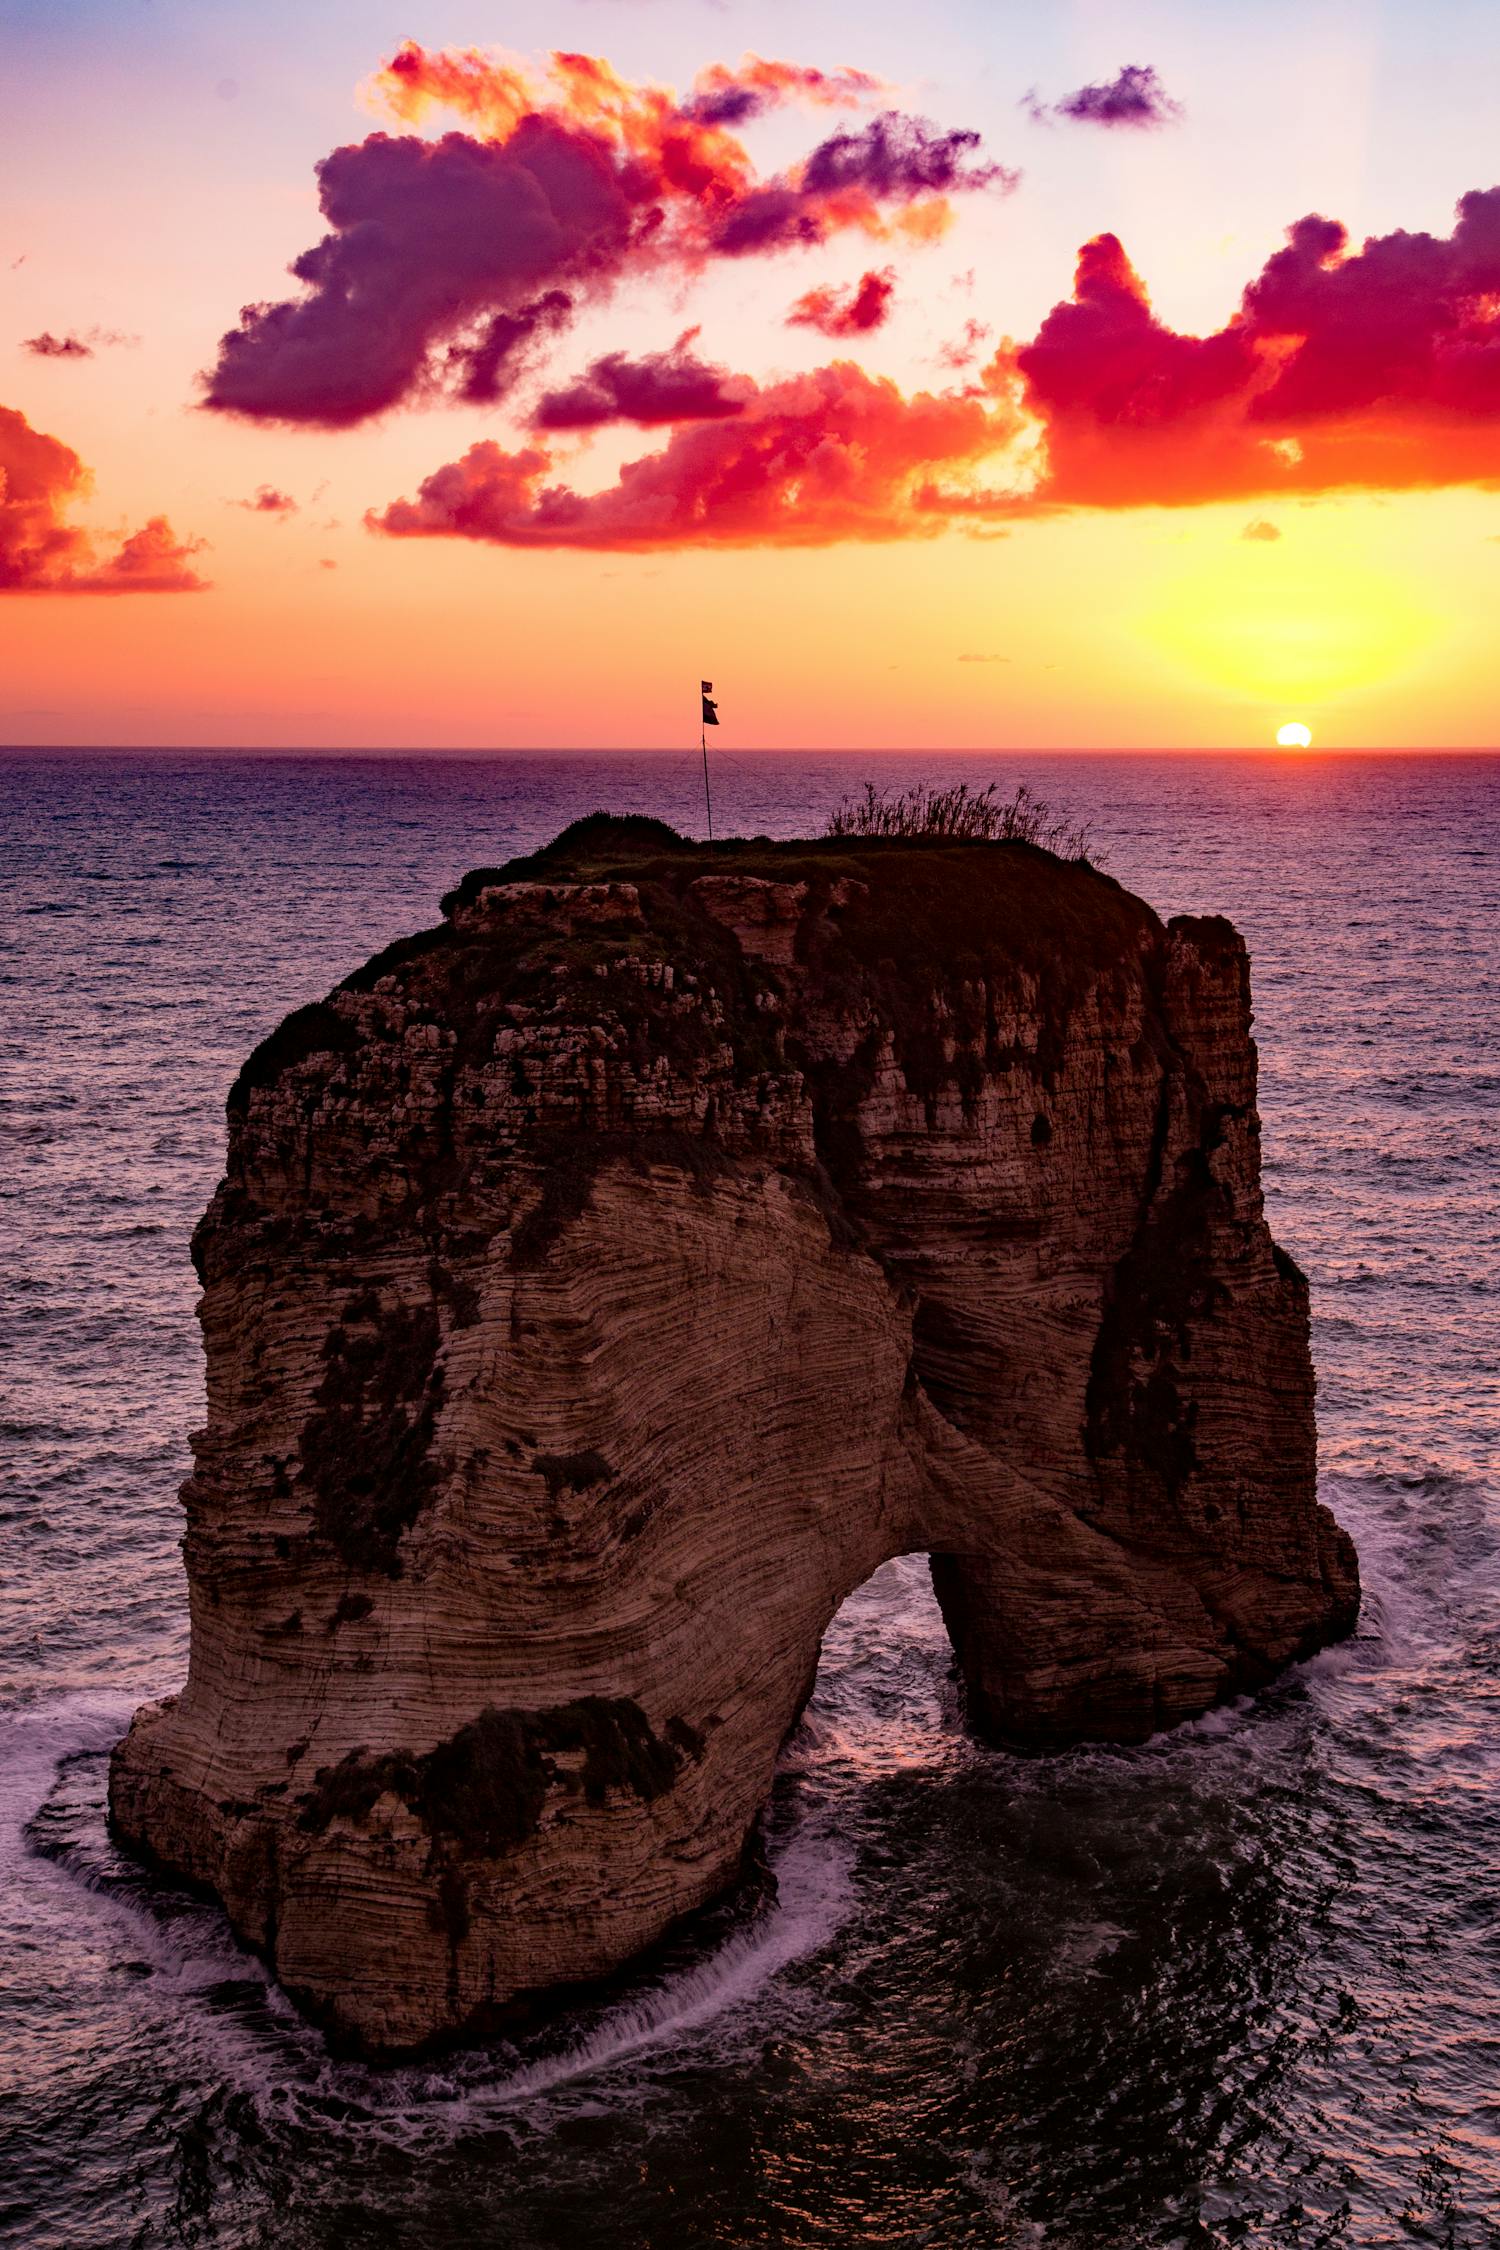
(1294, 736)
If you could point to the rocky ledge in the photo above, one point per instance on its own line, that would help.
(604, 1283)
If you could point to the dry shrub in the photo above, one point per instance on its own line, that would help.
(966, 815)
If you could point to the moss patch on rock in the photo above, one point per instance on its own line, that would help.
(367, 1450)
(481, 1792)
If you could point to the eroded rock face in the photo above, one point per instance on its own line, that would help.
(603, 1284)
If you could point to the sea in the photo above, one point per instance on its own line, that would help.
(1241, 1985)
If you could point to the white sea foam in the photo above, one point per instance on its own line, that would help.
(815, 1895)
(33, 1746)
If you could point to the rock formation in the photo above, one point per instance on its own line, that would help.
(605, 1282)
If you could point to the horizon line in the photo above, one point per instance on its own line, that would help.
(1283, 755)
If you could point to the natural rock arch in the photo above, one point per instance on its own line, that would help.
(605, 1284)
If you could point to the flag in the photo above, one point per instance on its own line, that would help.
(710, 708)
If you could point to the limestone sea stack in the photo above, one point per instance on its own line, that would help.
(604, 1283)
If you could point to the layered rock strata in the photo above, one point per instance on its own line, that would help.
(605, 1282)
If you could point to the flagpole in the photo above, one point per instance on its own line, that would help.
(707, 799)
(709, 712)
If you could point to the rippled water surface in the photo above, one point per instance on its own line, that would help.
(1242, 1985)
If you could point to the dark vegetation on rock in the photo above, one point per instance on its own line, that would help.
(367, 1450)
(483, 1789)
(963, 813)
(924, 922)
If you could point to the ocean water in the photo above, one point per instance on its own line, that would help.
(1241, 1985)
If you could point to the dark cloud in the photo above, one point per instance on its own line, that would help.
(853, 311)
(500, 355)
(40, 552)
(1134, 97)
(73, 346)
(663, 387)
(424, 237)
(48, 346)
(894, 159)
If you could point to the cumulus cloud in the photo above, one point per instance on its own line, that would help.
(663, 387)
(267, 501)
(1373, 368)
(1259, 530)
(1376, 367)
(40, 552)
(424, 237)
(853, 311)
(1135, 98)
(152, 560)
(839, 454)
(447, 263)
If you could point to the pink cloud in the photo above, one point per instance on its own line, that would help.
(839, 454)
(40, 552)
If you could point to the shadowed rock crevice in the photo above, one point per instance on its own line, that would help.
(604, 1283)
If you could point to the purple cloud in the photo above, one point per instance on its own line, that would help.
(663, 387)
(1134, 97)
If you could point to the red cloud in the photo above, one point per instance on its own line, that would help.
(1378, 367)
(40, 553)
(846, 312)
(839, 454)
(664, 387)
(1375, 368)
(462, 253)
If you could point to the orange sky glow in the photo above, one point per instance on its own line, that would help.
(988, 389)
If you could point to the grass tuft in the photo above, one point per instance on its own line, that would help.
(975, 816)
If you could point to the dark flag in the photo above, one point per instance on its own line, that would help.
(710, 708)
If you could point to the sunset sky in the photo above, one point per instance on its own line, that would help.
(688, 365)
